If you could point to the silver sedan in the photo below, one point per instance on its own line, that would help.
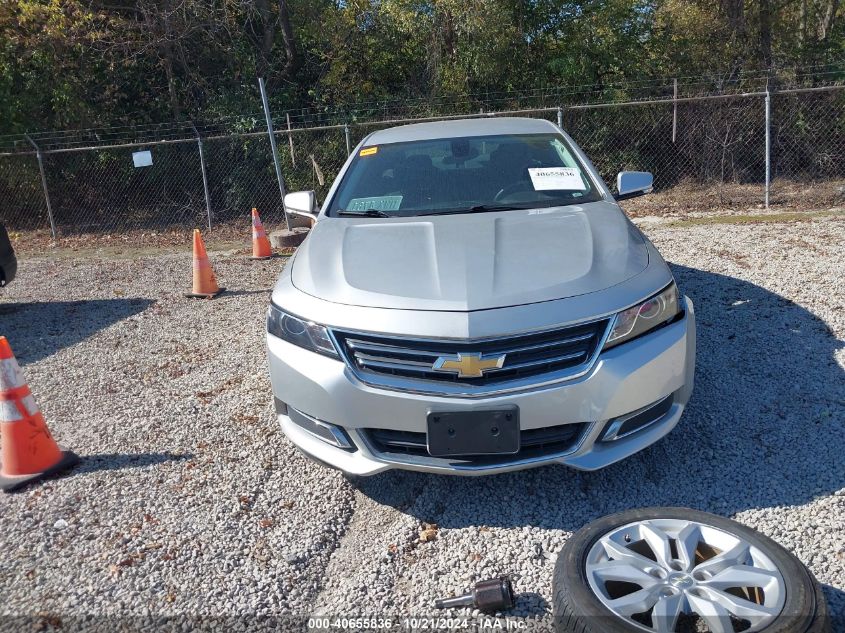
(472, 300)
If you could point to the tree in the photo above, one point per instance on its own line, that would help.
(77, 63)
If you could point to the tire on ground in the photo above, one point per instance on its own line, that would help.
(578, 610)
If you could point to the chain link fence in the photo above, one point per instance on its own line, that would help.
(705, 152)
(717, 145)
(24, 205)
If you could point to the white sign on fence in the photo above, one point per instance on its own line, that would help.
(142, 159)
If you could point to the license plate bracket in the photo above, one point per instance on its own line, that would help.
(482, 432)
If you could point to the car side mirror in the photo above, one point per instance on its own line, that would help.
(630, 184)
(301, 205)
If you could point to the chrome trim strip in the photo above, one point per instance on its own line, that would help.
(538, 346)
(450, 390)
(367, 346)
(357, 344)
(535, 363)
(482, 339)
(407, 444)
(392, 363)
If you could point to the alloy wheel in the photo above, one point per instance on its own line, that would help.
(655, 573)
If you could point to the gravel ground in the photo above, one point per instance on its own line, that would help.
(190, 501)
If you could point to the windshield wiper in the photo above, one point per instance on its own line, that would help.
(368, 213)
(479, 208)
(487, 208)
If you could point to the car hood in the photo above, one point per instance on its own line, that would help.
(473, 261)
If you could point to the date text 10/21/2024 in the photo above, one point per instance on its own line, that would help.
(417, 624)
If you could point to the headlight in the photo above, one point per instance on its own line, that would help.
(645, 316)
(299, 332)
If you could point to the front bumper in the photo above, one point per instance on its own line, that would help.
(623, 380)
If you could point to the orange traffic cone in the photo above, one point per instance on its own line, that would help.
(29, 451)
(205, 284)
(260, 244)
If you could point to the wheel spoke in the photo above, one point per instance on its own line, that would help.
(619, 552)
(636, 602)
(658, 541)
(741, 576)
(687, 543)
(740, 607)
(716, 616)
(623, 571)
(665, 615)
(737, 555)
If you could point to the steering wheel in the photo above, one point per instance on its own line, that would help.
(522, 185)
(516, 187)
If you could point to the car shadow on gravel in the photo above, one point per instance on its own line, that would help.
(40, 329)
(762, 431)
(121, 461)
(231, 292)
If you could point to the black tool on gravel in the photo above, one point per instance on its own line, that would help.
(491, 596)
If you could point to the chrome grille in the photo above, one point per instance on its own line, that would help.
(558, 351)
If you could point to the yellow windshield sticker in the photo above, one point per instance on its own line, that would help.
(368, 151)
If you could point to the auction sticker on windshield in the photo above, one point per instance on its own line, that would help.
(551, 178)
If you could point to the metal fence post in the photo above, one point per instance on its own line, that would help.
(273, 149)
(674, 109)
(204, 177)
(290, 141)
(44, 186)
(768, 144)
(560, 117)
(346, 135)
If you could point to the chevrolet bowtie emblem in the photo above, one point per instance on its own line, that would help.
(469, 365)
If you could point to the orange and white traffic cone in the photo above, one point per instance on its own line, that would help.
(205, 283)
(29, 452)
(260, 244)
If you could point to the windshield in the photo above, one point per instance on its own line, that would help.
(462, 175)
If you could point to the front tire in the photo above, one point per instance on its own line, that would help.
(673, 570)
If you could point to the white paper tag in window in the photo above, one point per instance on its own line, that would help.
(552, 178)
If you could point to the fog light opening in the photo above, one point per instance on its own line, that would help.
(329, 433)
(626, 425)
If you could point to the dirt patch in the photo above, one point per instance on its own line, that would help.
(755, 218)
(234, 236)
(693, 199)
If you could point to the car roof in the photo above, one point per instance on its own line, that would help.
(456, 128)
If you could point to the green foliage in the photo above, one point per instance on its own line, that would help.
(85, 63)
